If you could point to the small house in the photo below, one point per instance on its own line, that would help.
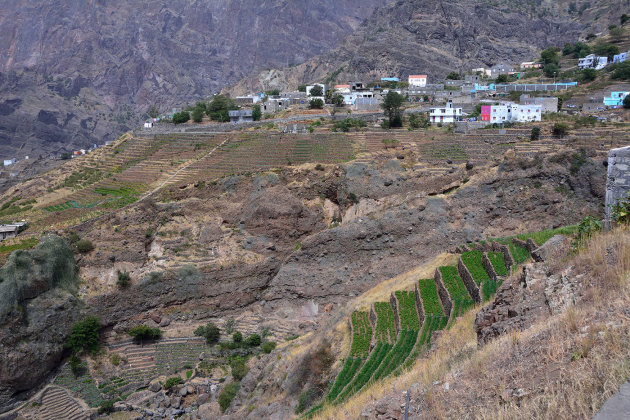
(342, 88)
(592, 62)
(390, 79)
(417, 81)
(530, 65)
(548, 103)
(241, 116)
(148, 124)
(620, 58)
(310, 87)
(9, 162)
(615, 100)
(499, 69)
(446, 114)
(11, 230)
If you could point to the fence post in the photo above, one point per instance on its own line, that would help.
(407, 407)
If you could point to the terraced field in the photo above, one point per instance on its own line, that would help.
(441, 300)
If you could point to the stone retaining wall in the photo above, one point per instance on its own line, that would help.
(447, 302)
(419, 306)
(618, 179)
(469, 282)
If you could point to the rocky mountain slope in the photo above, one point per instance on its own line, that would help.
(81, 72)
(436, 37)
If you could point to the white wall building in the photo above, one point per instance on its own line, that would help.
(342, 88)
(417, 81)
(446, 114)
(9, 162)
(351, 98)
(511, 112)
(593, 62)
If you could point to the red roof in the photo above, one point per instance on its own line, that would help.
(418, 77)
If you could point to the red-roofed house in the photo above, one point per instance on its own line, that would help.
(342, 88)
(418, 81)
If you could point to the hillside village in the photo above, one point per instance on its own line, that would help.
(378, 249)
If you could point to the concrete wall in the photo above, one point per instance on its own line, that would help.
(618, 180)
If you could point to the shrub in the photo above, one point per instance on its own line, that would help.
(237, 337)
(316, 103)
(253, 340)
(316, 91)
(502, 78)
(181, 117)
(560, 129)
(210, 332)
(535, 133)
(346, 124)
(256, 113)
(268, 346)
(229, 325)
(106, 407)
(227, 394)
(239, 368)
(197, 115)
(621, 70)
(75, 364)
(453, 76)
(84, 335)
(306, 399)
(123, 279)
(587, 227)
(115, 359)
(588, 75)
(626, 102)
(171, 382)
(143, 332)
(84, 246)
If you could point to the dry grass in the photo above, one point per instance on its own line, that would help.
(563, 367)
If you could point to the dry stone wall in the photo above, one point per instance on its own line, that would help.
(618, 179)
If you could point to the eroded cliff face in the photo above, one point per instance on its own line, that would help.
(81, 72)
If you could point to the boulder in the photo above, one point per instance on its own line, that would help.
(155, 387)
(202, 399)
(557, 245)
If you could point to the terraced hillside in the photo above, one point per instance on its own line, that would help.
(433, 305)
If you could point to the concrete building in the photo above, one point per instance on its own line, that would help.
(9, 162)
(418, 81)
(11, 230)
(275, 104)
(618, 178)
(351, 98)
(501, 68)
(510, 112)
(615, 100)
(446, 114)
(529, 65)
(148, 124)
(620, 58)
(241, 116)
(592, 62)
(548, 103)
(472, 78)
(390, 79)
(247, 100)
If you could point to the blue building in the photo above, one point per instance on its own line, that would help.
(616, 99)
(620, 58)
(390, 79)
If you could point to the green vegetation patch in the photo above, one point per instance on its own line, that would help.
(398, 354)
(457, 290)
(544, 235)
(82, 178)
(350, 368)
(407, 310)
(385, 323)
(472, 260)
(377, 356)
(362, 334)
(498, 263)
(519, 253)
(24, 244)
(434, 319)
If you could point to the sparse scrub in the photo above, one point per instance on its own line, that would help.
(227, 394)
(84, 246)
(268, 346)
(171, 382)
(123, 279)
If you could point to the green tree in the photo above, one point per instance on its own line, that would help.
(414, 123)
(181, 117)
(302, 88)
(502, 78)
(550, 56)
(153, 111)
(75, 364)
(453, 76)
(197, 114)
(551, 70)
(626, 102)
(210, 332)
(268, 346)
(317, 91)
(218, 108)
(143, 332)
(624, 18)
(392, 105)
(253, 340)
(85, 335)
(588, 75)
(273, 92)
(337, 100)
(316, 103)
(621, 70)
(227, 394)
(239, 368)
(607, 50)
(560, 129)
(256, 113)
(237, 337)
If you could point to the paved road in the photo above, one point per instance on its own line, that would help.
(617, 407)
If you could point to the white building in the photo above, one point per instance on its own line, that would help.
(511, 112)
(593, 62)
(9, 162)
(351, 98)
(446, 114)
(620, 58)
(148, 124)
(417, 81)
(310, 87)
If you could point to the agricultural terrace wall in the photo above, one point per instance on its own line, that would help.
(447, 303)
(487, 265)
(507, 257)
(521, 243)
(469, 282)
(373, 321)
(394, 304)
(618, 178)
(419, 305)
